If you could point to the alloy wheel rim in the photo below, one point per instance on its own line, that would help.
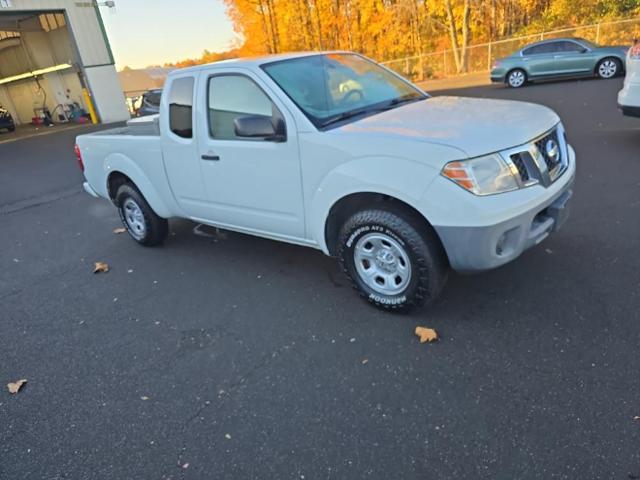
(382, 263)
(608, 69)
(134, 218)
(516, 79)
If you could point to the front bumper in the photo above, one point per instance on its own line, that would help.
(629, 111)
(629, 96)
(478, 248)
(90, 190)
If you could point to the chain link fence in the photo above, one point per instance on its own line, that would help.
(481, 57)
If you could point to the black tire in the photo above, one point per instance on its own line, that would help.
(11, 129)
(156, 228)
(428, 263)
(512, 74)
(614, 61)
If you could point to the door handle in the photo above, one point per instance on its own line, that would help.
(212, 157)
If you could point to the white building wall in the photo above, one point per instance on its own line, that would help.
(110, 103)
(83, 23)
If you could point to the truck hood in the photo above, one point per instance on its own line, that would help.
(473, 125)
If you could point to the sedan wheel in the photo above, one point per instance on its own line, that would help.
(516, 79)
(608, 68)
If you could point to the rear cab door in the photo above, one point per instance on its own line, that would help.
(179, 146)
(539, 59)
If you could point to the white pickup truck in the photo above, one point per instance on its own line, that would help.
(335, 152)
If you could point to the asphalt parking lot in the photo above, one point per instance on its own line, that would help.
(227, 356)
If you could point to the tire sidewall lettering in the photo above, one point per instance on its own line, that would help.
(388, 300)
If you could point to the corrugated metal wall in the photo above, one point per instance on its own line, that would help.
(83, 23)
(94, 57)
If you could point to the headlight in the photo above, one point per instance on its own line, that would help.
(482, 175)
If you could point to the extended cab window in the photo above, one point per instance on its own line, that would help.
(181, 107)
(234, 96)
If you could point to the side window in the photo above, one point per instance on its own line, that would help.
(233, 96)
(568, 47)
(540, 49)
(153, 98)
(181, 107)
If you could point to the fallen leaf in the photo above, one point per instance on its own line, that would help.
(227, 436)
(426, 334)
(636, 418)
(145, 398)
(185, 466)
(365, 361)
(16, 386)
(101, 267)
(119, 230)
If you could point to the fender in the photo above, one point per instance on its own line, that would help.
(158, 195)
(401, 178)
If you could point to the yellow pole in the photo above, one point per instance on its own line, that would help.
(89, 102)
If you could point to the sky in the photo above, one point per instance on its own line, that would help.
(152, 32)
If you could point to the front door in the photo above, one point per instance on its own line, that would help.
(253, 184)
(572, 58)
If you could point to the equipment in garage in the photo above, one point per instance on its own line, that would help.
(56, 65)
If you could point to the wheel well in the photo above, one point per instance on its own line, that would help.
(347, 206)
(612, 57)
(526, 75)
(115, 180)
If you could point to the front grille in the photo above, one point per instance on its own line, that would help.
(541, 161)
(542, 144)
(518, 161)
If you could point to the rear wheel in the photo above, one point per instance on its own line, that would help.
(608, 68)
(142, 223)
(393, 260)
(516, 78)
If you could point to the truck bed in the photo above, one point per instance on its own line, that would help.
(137, 127)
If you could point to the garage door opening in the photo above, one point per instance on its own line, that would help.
(56, 65)
(40, 82)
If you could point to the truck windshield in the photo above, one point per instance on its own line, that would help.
(334, 88)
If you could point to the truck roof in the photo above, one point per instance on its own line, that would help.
(259, 60)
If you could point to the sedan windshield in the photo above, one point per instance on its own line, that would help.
(333, 88)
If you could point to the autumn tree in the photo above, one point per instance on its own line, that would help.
(391, 29)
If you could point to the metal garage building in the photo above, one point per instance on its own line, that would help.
(55, 56)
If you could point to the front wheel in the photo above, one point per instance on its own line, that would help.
(516, 78)
(608, 68)
(142, 223)
(392, 259)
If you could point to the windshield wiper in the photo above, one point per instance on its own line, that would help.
(404, 99)
(393, 103)
(350, 114)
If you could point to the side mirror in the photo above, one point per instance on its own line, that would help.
(258, 126)
(584, 50)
